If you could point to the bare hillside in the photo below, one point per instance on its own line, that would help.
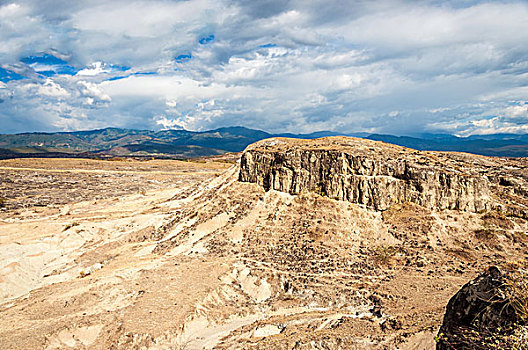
(325, 244)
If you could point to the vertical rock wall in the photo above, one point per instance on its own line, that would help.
(370, 178)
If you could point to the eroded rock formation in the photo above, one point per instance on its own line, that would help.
(375, 174)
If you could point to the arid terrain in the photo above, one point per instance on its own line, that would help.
(267, 253)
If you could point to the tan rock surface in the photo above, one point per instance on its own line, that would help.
(379, 175)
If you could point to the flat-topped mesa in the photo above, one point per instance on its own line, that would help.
(365, 172)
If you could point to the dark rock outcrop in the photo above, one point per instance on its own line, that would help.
(483, 310)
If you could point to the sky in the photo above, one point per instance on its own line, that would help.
(397, 67)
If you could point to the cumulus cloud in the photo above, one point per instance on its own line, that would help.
(93, 92)
(50, 88)
(94, 69)
(393, 66)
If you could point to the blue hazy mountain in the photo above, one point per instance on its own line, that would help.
(188, 144)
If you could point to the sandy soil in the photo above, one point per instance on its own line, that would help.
(195, 259)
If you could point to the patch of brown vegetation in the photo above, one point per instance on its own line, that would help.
(496, 218)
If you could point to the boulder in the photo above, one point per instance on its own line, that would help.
(485, 310)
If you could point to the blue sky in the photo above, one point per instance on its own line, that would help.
(400, 67)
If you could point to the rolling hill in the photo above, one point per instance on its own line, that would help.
(188, 144)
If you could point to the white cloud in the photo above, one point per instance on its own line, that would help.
(171, 103)
(20, 30)
(142, 19)
(388, 66)
(93, 92)
(407, 26)
(94, 69)
(167, 123)
(519, 111)
(9, 10)
(50, 88)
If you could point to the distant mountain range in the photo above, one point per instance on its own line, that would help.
(111, 142)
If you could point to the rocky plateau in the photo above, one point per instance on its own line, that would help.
(379, 175)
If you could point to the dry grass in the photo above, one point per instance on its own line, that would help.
(517, 236)
(69, 226)
(514, 294)
(486, 234)
(384, 254)
(494, 224)
(516, 288)
(498, 219)
(469, 338)
(510, 298)
(409, 220)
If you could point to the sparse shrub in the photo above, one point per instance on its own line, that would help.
(494, 223)
(512, 338)
(3, 202)
(517, 236)
(227, 161)
(496, 218)
(516, 288)
(384, 254)
(285, 296)
(486, 234)
(69, 226)
(409, 219)
(460, 253)
(318, 189)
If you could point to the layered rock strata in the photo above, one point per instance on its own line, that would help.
(374, 174)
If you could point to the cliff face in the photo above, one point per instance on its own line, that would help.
(366, 172)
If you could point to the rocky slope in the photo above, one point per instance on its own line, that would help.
(217, 263)
(380, 175)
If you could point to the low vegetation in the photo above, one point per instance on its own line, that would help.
(516, 289)
(496, 218)
(486, 234)
(384, 254)
(69, 226)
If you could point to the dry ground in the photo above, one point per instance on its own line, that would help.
(26, 183)
(180, 255)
